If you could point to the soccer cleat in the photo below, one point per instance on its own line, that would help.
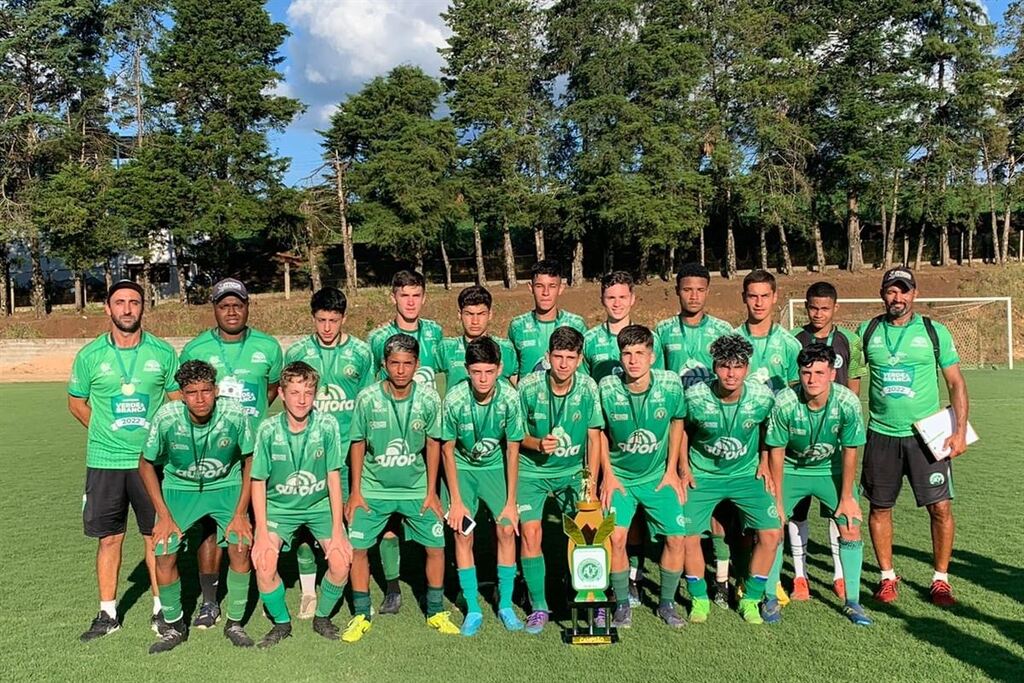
(780, 594)
(276, 634)
(471, 624)
(801, 591)
(623, 617)
(307, 606)
(357, 626)
(234, 632)
(722, 594)
(174, 635)
(442, 622)
(101, 626)
(634, 594)
(839, 588)
(158, 623)
(887, 590)
(670, 616)
(942, 594)
(536, 622)
(509, 619)
(771, 611)
(392, 604)
(209, 615)
(699, 611)
(856, 614)
(325, 627)
(750, 611)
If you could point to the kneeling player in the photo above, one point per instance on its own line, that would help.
(396, 427)
(643, 411)
(204, 443)
(813, 434)
(725, 461)
(479, 417)
(296, 481)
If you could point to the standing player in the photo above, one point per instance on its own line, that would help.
(475, 315)
(562, 412)
(395, 454)
(118, 382)
(643, 411)
(529, 332)
(204, 444)
(725, 461)
(345, 366)
(482, 418)
(773, 362)
(821, 304)
(408, 294)
(813, 433)
(600, 343)
(904, 354)
(296, 482)
(248, 364)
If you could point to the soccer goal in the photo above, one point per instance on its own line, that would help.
(982, 327)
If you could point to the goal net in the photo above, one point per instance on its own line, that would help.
(982, 328)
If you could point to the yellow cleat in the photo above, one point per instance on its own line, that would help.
(357, 626)
(443, 623)
(780, 593)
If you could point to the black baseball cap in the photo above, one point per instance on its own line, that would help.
(229, 286)
(125, 284)
(902, 276)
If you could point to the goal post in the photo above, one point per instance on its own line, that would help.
(981, 327)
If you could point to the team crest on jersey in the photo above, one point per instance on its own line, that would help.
(224, 442)
(396, 454)
(483, 448)
(776, 359)
(417, 425)
(349, 371)
(749, 424)
(839, 362)
(300, 483)
(640, 442)
(660, 414)
(577, 416)
(727, 448)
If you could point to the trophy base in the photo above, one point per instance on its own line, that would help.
(582, 629)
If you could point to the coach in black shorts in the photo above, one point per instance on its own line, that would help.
(904, 353)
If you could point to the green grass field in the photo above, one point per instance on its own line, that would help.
(48, 593)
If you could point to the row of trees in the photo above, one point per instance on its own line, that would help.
(622, 132)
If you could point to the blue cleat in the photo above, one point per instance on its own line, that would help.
(856, 614)
(771, 611)
(472, 623)
(509, 619)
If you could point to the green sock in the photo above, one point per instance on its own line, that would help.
(170, 601)
(330, 594)
(669, 586)
(390, 557)
(306, 559)
(435, 599)
(754, 588)
(620, 584)
(470, 590)
(274, 602)
(697, 587)
(774, 574)
(238, 594)
(851, 557)
(533, 574)
(361, 603)
(506, 585)
(721, 548)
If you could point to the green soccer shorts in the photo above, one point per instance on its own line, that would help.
(422, 527)
(747, 493)
(827, 489)
(664, 512)
(475, 485)
(188, 507)
(531, 494)
(284, 523)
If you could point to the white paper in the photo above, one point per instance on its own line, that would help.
(935, 429)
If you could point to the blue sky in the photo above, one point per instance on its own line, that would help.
(337, 45)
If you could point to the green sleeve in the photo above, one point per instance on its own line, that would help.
(680, 412)
(358, 429)
(261, 455)
(778, 427)
(274, 376)
(596, 414)
(449, 421)
(438, 363)
(434, 421)
(515, 426)
(170, 383)
(81, 376)
(853, 433)
(246, 435)
(154, 449)
(293, 353)
(793, 371)
(947, 351)
(659, 355)
(335, 458)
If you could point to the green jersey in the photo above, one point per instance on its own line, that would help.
(567, 417)
(774, 359)
(688, 347)
(244, 367)
(450, 358)
(530, 338)
(295, 466)
(639, 424)
(124, 388)
(345, 370)
(202, 457)
(814, 439)
(395, 432)
(601, 353)
(429, 335)
(480, 429)
(904, 382)
(725, 438)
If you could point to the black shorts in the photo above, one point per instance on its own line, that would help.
(888, 458)
(108, 493)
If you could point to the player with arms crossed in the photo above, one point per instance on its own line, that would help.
(813, 433)
(483, 418)
(562, 412)
(296, 482)
(395, 455)
(204, 444)
(475, 315)
(643, 411)
(529, 332)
